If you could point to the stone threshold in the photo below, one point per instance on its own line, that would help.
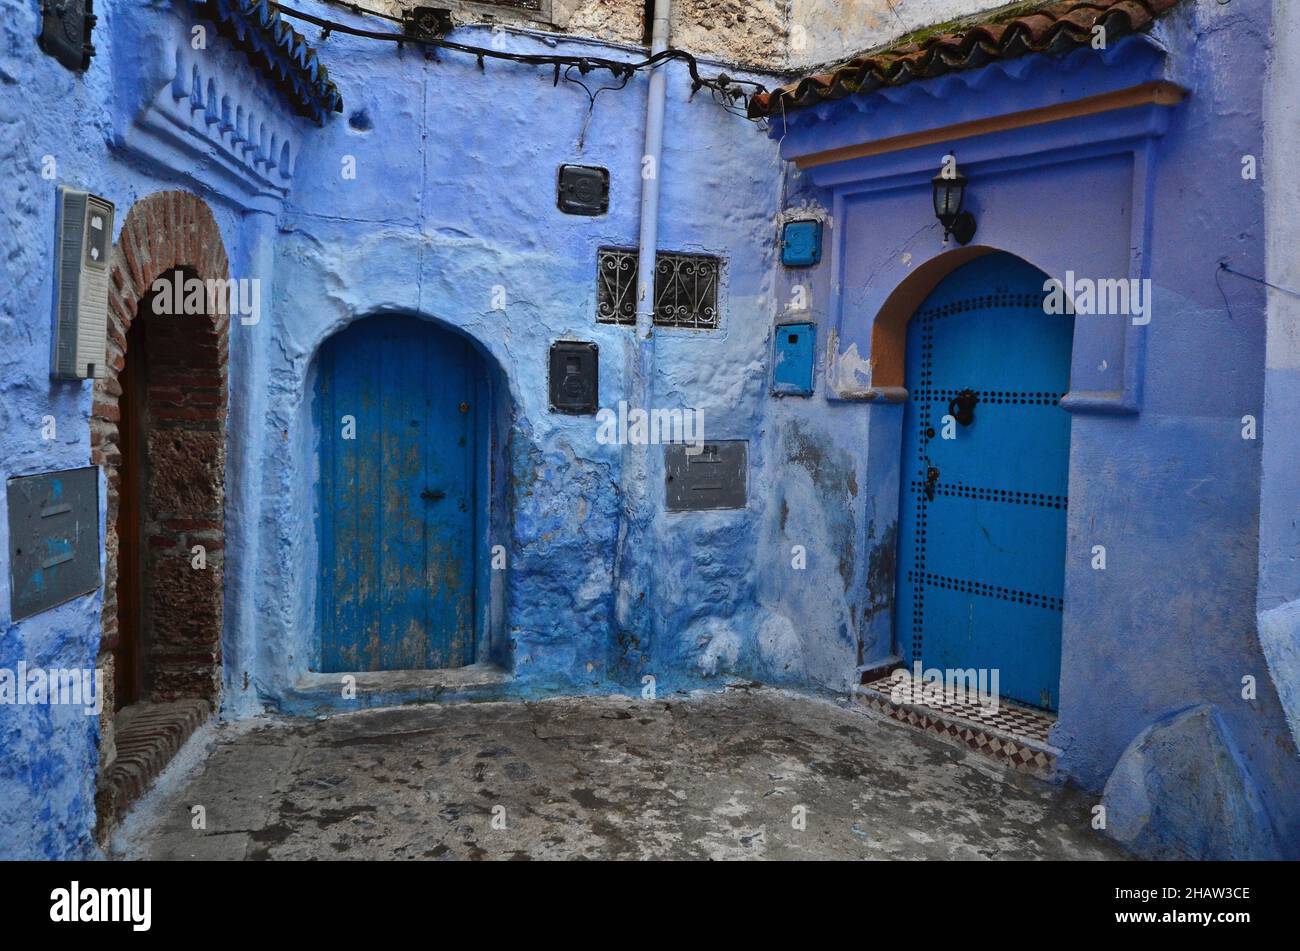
(1014, 736)
(323, 693)
(147, 737)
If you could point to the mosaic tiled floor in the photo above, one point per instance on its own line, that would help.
(1010, 734)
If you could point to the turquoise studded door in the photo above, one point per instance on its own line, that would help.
(985, 467)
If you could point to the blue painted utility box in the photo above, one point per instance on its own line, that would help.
(801, 243)
(792, 359)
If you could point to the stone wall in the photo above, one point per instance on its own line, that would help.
(763, 34)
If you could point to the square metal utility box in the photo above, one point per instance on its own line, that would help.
(714, 478)
(583, 190)
(53, 538)
(801, 243)
(66, 28)
(792, 359)
(575, 377)
(83, 240)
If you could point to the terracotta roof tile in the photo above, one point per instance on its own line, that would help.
(278, 51)
(1021, 28)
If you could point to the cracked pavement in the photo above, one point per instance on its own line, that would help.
(699, 776)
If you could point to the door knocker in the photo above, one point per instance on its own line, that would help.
(962, 407)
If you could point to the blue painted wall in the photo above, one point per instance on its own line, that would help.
(49, 754)
(454, 198)
(1172, 491)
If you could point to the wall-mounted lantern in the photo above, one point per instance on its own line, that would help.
(949, 196)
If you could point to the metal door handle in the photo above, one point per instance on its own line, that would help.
(432, 496)
(962, 407)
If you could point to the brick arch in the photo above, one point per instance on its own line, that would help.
(184, 403)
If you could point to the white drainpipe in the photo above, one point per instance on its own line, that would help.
(634, 558)
(650, 160)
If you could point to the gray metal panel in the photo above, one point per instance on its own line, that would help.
(715, 478)
(53, 539)
(84, 240)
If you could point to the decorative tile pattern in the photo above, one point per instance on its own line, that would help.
(1015, 736)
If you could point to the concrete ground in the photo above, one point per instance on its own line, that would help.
(704, 776)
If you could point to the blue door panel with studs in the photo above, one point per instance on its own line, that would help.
(982, 514)
(396, 502)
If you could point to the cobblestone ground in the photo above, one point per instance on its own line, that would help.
(719, 775)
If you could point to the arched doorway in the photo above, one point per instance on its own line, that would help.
(401, 411)
(984, 476)
(158, 429)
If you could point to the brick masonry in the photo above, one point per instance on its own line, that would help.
(184, 482)
(149, 735)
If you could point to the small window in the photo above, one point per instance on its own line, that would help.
(686, 289)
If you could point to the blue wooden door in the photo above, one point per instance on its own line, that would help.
(396, 411)
(982, 515)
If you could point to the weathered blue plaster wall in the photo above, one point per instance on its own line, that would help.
(1173, 491)
(1279, 556)
(454, 196)
(49, 754)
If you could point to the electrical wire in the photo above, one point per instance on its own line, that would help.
(726, 91)
(591, 99)
(1224, 266)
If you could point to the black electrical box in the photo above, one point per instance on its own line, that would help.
(711, 475)
(575, 377)
(65, 32)
(584, 190)
(427, 23)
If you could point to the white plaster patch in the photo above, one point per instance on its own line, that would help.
(810, 208)
(595, 585)
(779, 645)
(722, 647)
(850, 371)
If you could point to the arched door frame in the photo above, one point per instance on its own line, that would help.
(164, 234)
(888, 394)
(491, 521)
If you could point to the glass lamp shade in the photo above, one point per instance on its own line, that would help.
(949, 193)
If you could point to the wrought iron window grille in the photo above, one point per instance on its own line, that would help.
(686, 289)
